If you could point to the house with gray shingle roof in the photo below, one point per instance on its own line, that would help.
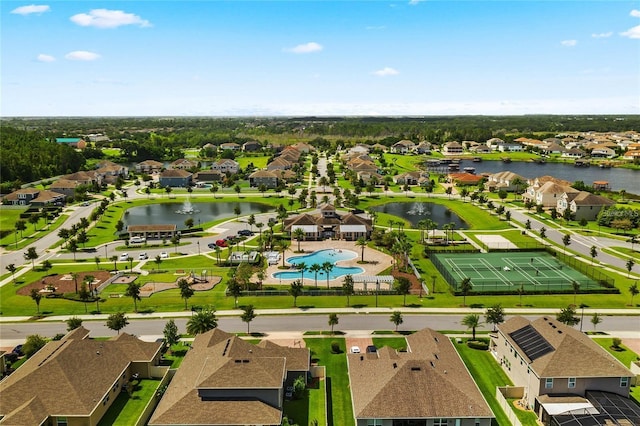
(427, 385)
(75, 380)
(582, 204)
(546, 357)
(225, 380)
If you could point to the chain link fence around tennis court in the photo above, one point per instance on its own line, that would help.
(595, 281)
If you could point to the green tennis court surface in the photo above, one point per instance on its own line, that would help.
(511, 271)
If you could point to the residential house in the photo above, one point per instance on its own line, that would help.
(632, 154)
(226, 166)
(34, 197)
(308, 223)
(175, 178)
(64, 186)
(359, 149)
(291, 154)
(251, 146)
(77, 143)
(573, 153)
(546, 357)
(602, 151)
(280, 163)
(303, 148)
(452, 148)
(75, 380)
(423, 147)
(230, 146)
(493, 143)
(548, 194)
(552, 148)
(183, 164)
(464, 179)
(90, 177)
(428, 385)
(263, 177)
(510, 147)
(480, 149)
(533, 143)
(111, 171)
(582, 204)
(507, 181)
(409, 178)
(402, 147)
(367, 177)
(288, 176)
(208, 176)
(149, 167)
(379, 147)
(224, 380)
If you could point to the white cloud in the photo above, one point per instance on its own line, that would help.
(104, 18)
(32, 8)
(386, 71)
(45, 58)
(82, 55)
(602, 35)
(632, 33)
(635, 13)
(306, 48)
(414, 2)
(569, 43)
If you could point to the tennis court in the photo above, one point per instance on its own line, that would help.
(511, 271)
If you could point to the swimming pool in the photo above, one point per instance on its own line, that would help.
(318, 258)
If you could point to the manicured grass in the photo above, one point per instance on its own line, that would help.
(397, 343)
(310, 407)
(176, 354)
(625, 355)
(126, 409)
(338, 394)
(488, 375)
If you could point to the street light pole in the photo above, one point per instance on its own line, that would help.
(377, 290)
(198, 242)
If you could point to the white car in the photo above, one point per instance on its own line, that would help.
(124, 256)
(143, 256)
(164, 255)
(355, 350)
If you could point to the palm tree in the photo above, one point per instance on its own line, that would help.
(315, 268)
(133, 291)
(362, 243)
(302, 266)
(36, 296)
(465, 288)
(295, 290)
(333, 321)
(396, 319)
(299, 235)
(472, 321)
(347, 287)
(186, 291)
(248, 315)
(594, 253)
(283, 245)
(327, 267)
(202, 321)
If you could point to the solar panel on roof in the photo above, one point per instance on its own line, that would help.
(531, 342)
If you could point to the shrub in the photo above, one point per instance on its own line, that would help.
(335, 347)
(615, 342)
(475, 344)
(298, 387)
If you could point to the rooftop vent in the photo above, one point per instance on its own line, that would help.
(361, 358)
(432, 364)
(395, 365)
(415, 369)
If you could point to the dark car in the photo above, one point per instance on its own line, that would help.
(357, 211)
(211, 245)
(245, 232)
(371, 349)
(18, 350)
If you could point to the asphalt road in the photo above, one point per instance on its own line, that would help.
(282, 323)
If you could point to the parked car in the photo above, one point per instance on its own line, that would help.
(355, 350)
(164, 255)
(18, 350)
(212, 245)
(136, 240)
(245, 232)
(143, 256)
(221, 243)
(124, 256)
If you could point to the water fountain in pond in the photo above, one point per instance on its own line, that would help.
(418, 209)
(187, 208)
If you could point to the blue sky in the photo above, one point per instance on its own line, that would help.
(230, 58)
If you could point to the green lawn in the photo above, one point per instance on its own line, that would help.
(310, 407)
(339, 397)
(488, 375)
(126, 409)
(393, 342)
(625, 355)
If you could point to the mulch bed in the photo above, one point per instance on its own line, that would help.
(154, 287)
(63, 283)
(415, 284)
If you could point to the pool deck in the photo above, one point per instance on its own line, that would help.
(379, 261)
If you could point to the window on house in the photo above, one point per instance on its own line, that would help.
(571, 383)
(440, 422)
(374, 422)
(624, 382)
(61, 421)
(548, 383)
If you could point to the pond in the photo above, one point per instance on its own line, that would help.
(320, 257)
(415, 211)
(177, 213)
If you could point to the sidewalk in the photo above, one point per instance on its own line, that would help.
(325, 311)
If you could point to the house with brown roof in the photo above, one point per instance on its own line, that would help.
(149, 166)
(111, 171)
(582, 204)
(548, 358)
(328, 223)
(231, 146)
(452, 148)
(428, 385)
(402, 147)
(183, 164)
(89, 177)
(263, 177)
(64, 186)
(224, 380)
(76, 379)
(548, 194)
(175, 178)
(409, 178)
(251, 146)
(226, 166)
(504, 180)
(280, 163)
(34, 197)
(464, 179)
